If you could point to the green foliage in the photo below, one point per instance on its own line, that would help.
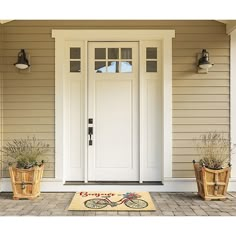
(25, 152)
(214, 150)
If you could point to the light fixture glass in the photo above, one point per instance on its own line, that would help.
(22, 62)
(203, 62)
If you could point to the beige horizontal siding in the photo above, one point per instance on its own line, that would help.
(201, 90)
(191, 135)
(30, 76)
(200, 101)
(29, 105)
(183, 173)
(1, 79)
(28, 128)
(200, 128)
(185, 158)
(200, 82)
(201, 120)
(33, 52)
(192, 67)
(200, 105)
(29, 90)
(193, 60)
(14, 135)
(199, 38)
(193, 52)
(27, 98)
(47, 139)
(1, 47)
(200, 98)
(27, 83)
(28, 113)
(192, 76)
(200, 113)
(41, 60)
(29, 121)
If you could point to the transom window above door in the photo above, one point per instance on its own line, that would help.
(113, 60)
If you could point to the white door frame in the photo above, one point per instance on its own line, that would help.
(62, 36)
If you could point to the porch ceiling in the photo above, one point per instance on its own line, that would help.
(230, 24)
(4, 21)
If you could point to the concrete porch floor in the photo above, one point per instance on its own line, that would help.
(167, 204)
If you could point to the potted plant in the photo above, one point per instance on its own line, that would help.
(26, 166)
(213, 170)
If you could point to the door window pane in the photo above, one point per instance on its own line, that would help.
(126, 53)
(151, 66)
(126, 66)
(151, 53)
(74, 53)
(74, 66)
(100, 66)
(113, 53)
(100, 53)
(113, 60)
(113, 67)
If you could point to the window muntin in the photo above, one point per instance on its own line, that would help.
(151, 59)
(113, 60)
(75, 60)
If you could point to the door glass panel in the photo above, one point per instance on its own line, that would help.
(113, 60)
(113, 67)
(74, 53)
(100, 66)
(126, 66)
(151, 53)
(74, 66)
(100, 53)
(113, 53)
(151, 66)
(126, 53)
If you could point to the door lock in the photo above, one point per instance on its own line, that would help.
(90, 133)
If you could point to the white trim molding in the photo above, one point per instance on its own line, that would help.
(233, 99)
(169, 185)
(62, 36)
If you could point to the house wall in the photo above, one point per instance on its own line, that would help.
(200, 101)
(1, 65)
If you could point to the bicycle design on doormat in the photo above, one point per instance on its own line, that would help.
(131, 200)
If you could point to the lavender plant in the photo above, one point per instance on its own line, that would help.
(214, 150)
(25, 153)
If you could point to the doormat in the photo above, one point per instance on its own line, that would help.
(112, 201)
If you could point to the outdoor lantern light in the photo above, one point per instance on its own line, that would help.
(203, 61)
(22, 62)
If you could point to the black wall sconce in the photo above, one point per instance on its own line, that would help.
(22, 62)
(203, 62)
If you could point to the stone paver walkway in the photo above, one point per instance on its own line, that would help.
(167, 204)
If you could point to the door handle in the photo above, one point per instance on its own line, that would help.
(90, 133)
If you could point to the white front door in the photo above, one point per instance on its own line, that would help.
(112, 110)
(113, 117)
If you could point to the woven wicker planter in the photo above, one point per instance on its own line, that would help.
(26, 182)
(211, 184)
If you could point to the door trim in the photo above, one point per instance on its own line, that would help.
(62, 36)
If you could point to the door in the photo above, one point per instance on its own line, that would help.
(113, 124)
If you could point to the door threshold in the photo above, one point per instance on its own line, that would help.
(113, 183)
